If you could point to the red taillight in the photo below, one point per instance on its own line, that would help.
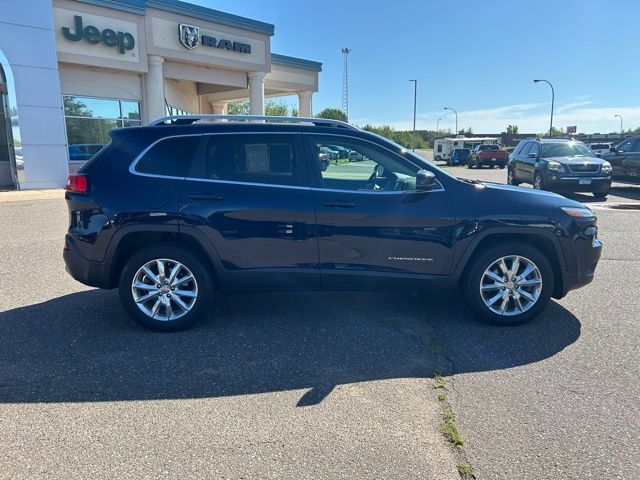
(77, 183)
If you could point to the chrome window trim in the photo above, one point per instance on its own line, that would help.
(133, 171)
(251, 184)
(132, 167)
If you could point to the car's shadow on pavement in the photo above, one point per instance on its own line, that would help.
(82, 348)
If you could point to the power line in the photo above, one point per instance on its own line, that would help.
(345, 83)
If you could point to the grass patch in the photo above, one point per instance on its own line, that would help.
(465, 471)
(440, 382)
(450, 430)
(442, 397)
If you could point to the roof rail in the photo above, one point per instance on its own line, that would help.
(189, 119)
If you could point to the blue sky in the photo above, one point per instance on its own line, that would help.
(479, 57)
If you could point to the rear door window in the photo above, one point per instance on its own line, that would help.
(170, 157)
(251, 158)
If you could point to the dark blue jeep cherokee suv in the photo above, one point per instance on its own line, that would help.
(172, 211)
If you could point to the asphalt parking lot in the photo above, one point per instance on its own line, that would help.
(336, 385)
(332, 385)
(557, 398)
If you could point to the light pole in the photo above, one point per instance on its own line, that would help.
(438, 126)
(415, 97)
(621, 130)
(553, 94)
(453, 110)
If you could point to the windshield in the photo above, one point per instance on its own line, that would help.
(417, 159)
(568, 149)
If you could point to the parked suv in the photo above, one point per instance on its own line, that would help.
(625, 160)
(559, 164)
(170, 212)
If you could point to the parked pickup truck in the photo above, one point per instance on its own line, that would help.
(490, 154)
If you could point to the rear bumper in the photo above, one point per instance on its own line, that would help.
(491, 161)
(85, 271)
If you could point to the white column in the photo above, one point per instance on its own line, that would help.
(256, 93)
(154, 89)
(304, 103)
(219, 108)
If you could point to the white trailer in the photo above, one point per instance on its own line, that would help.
(444, 147)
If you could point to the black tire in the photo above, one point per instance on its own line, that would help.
(538, 181)
(203, 279)
(469, 164)
(472, 282)
(601, 195)
(502, 165)
(437, 158)
(511, 178)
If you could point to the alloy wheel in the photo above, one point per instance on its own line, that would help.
(537, 182)
(164, 289)
(511, 285)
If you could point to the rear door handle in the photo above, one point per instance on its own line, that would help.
(339, 204)
(206, 196)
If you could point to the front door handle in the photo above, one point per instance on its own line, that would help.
(339, 204)
(206, 196)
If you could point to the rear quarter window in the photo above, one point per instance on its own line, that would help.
(170, 157)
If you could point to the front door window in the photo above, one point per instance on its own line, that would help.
(361, 166)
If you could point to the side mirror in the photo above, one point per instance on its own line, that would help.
(613, 150)
(532, 155)
(425, 180)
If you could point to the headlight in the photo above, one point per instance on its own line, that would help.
(555, 166)
(606, 167)
(579, 212)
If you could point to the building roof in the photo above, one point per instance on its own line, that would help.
(296, 62)
(183, 8)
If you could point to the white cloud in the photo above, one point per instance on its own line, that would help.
(530, 118)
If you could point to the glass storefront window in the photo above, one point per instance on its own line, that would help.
(88, 121)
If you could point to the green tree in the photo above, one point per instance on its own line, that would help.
(275, 107)
(512, 129)
(404, 138)
(468, 131)
(333, 113)
(238, 108)
(555, 132)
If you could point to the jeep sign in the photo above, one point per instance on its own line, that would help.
(123, 41)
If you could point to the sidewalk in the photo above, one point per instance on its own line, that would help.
(28, 195)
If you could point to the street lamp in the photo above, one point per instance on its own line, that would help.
(621, 130)
(553, 94)
(453, 110)
(438, 126)
(415, 96)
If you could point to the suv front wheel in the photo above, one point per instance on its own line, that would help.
(509, 284)
(165, 288)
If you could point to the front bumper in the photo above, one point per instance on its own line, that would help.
(577, 183)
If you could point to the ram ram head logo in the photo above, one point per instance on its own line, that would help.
(189, 36)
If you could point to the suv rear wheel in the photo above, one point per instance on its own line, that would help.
(509, 284)
(165, 288)
(511, 178)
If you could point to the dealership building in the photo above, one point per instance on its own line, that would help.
(71, 70)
